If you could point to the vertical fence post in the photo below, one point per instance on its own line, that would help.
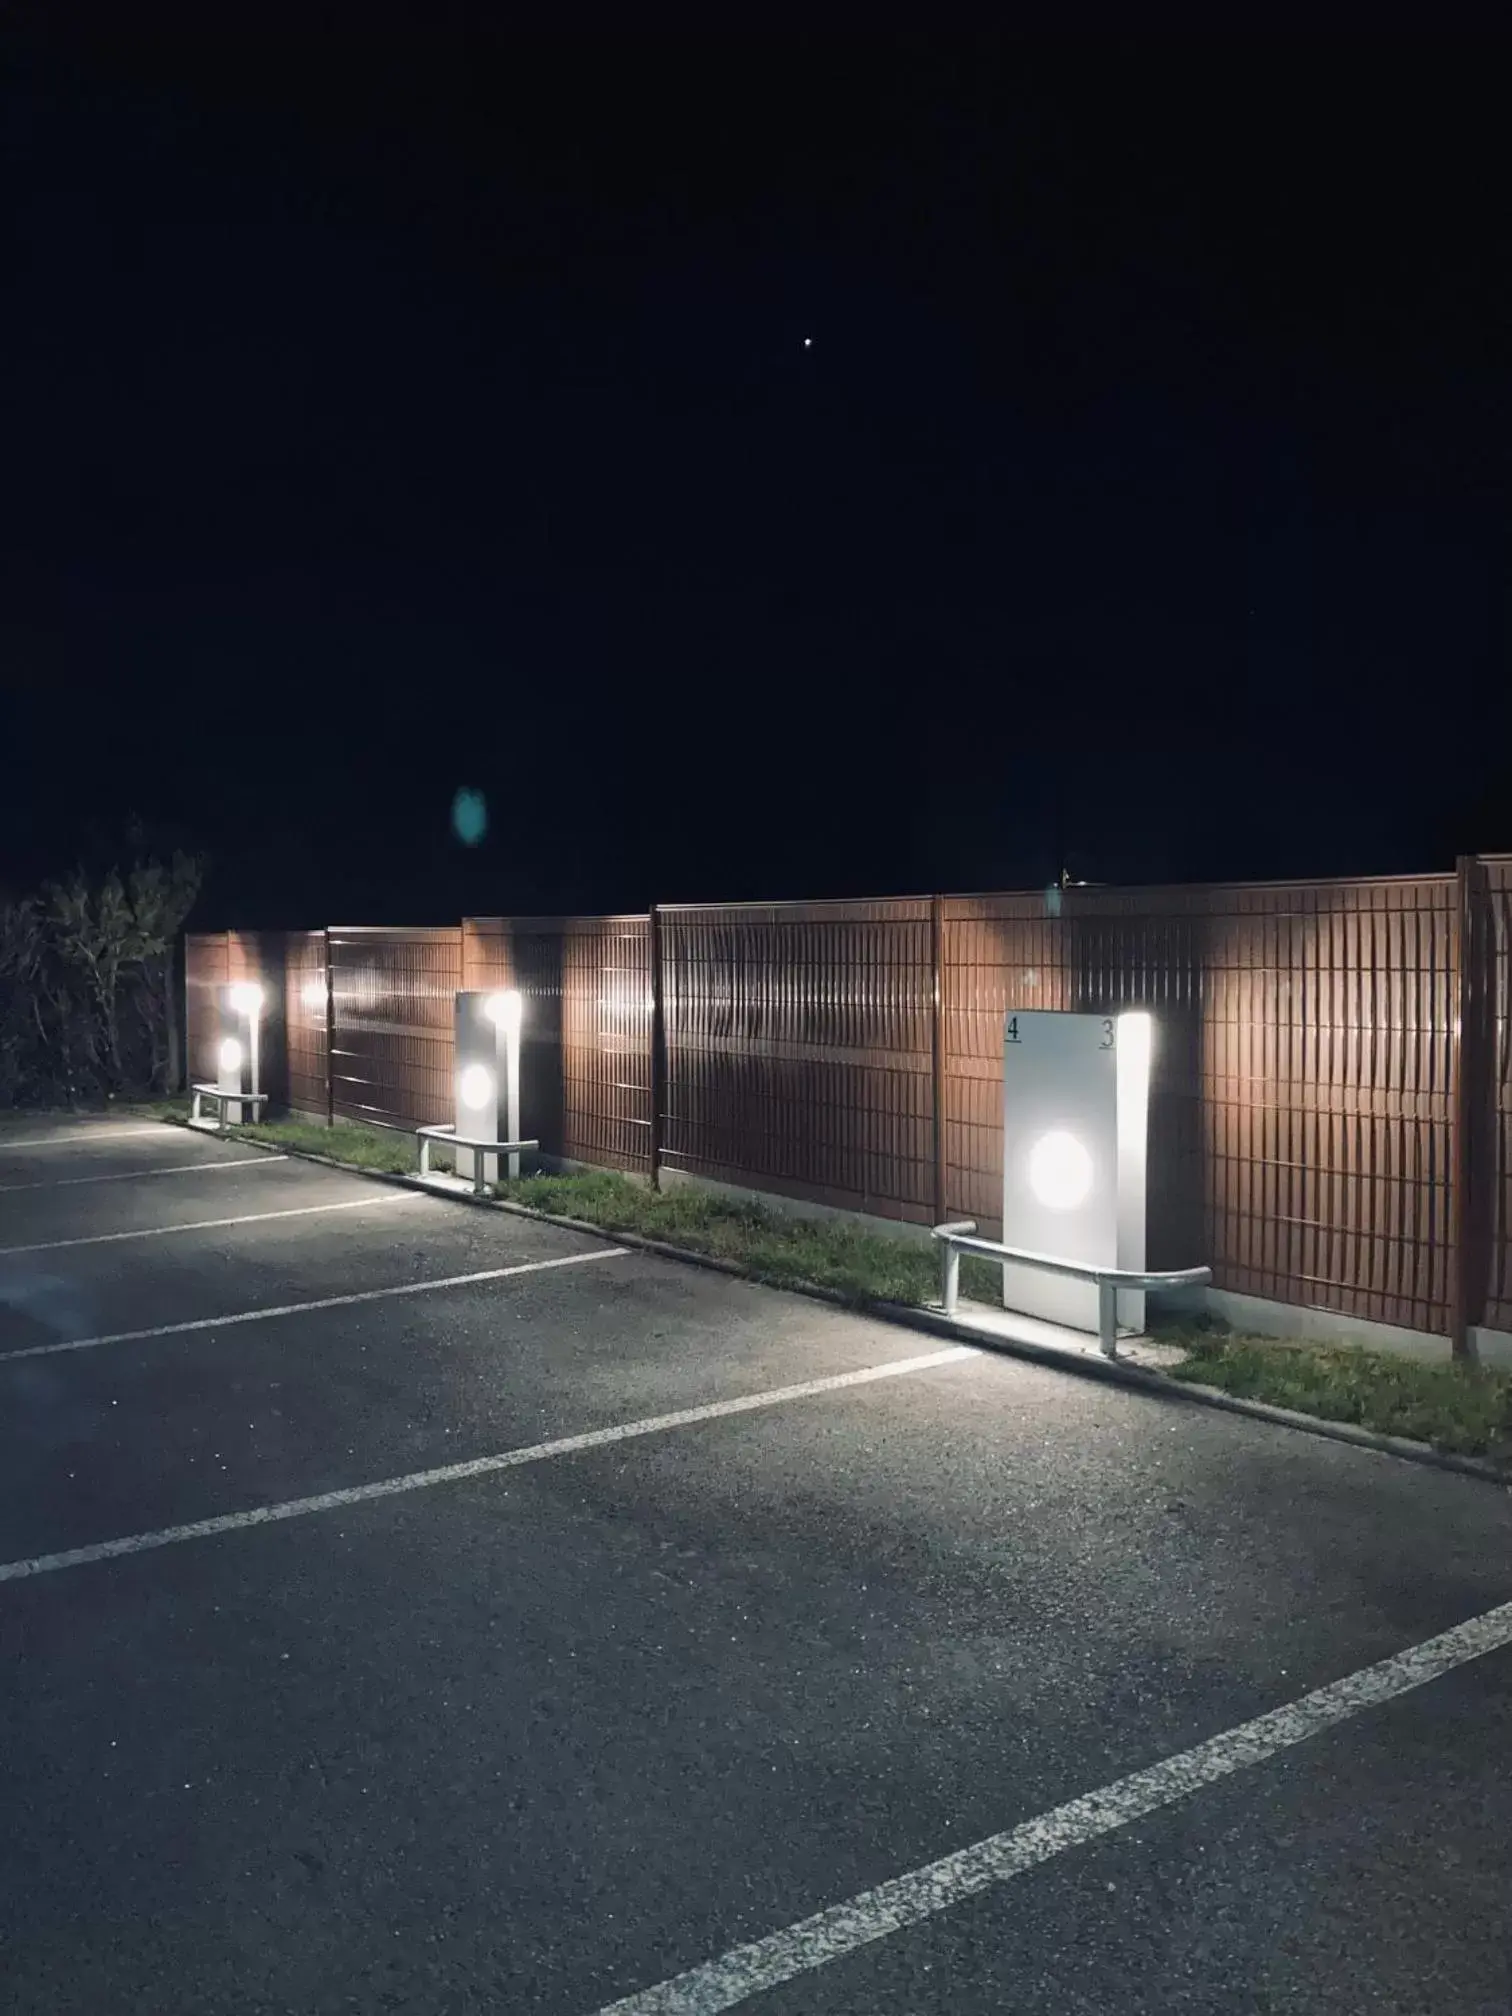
(658, 1042)
(330, 1008)
(176, 1002)
(1470, 1192)
(937, 1054)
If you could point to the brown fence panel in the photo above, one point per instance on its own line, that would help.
(1300, 1125)
(394, 1016)
(261, 956)
(798, 1041)
(206, 968)
(1302, 1103)
(305, 1020)
(585, 1059)
(1498, 1314)
(1328, 1029)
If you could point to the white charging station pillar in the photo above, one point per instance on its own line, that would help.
(238, 1019)
(1075, 1124)
(480, 1083)
(488, 1079)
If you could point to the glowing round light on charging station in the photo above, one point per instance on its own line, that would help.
(1060, 1170)
(230, 1055)
(475, 1087)
(506, 1010)
(247, 997)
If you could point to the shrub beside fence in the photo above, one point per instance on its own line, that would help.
(88, 986)
(1331, 1108)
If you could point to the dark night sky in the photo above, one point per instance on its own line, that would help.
(408, 409)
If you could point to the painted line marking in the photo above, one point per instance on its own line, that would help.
(74, 1134)
(304, 1308)
(477, 1466)
(211, 1224)
(140, 1175)
(909, 1900)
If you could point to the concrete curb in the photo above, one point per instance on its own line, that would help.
(934, 1323)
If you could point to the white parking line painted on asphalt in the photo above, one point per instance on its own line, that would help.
(908, 1900)
(70, 1136)
(477, 1466)
(214, 1224)
(52, 1349)
(139, 1175)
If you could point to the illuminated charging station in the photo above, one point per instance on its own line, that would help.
(482, 1082)
(236, 1088)
(237, 1052)
(1076, 1092)
(486, 1131)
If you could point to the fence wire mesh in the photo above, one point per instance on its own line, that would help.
(1304, 1102)
(799, 1051)
(585, 1061)
(394, 1042)
(1498, 951)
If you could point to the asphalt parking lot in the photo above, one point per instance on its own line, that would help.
(413, 1607)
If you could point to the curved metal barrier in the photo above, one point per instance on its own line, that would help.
(962, 1237)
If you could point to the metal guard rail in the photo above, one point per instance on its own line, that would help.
(961, 1237)
(256, 1100)
(446, 1133)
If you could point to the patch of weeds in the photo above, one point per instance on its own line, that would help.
(784, 1250)
(1463, 1410)
(385, 1149)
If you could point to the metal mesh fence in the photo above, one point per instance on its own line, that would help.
(394, 1015)
(1300, 1104)
(585, 1058)
(799, 1050)
(1498, 1174)
(207, 966)
(305, 1019)
(1303, 1100)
